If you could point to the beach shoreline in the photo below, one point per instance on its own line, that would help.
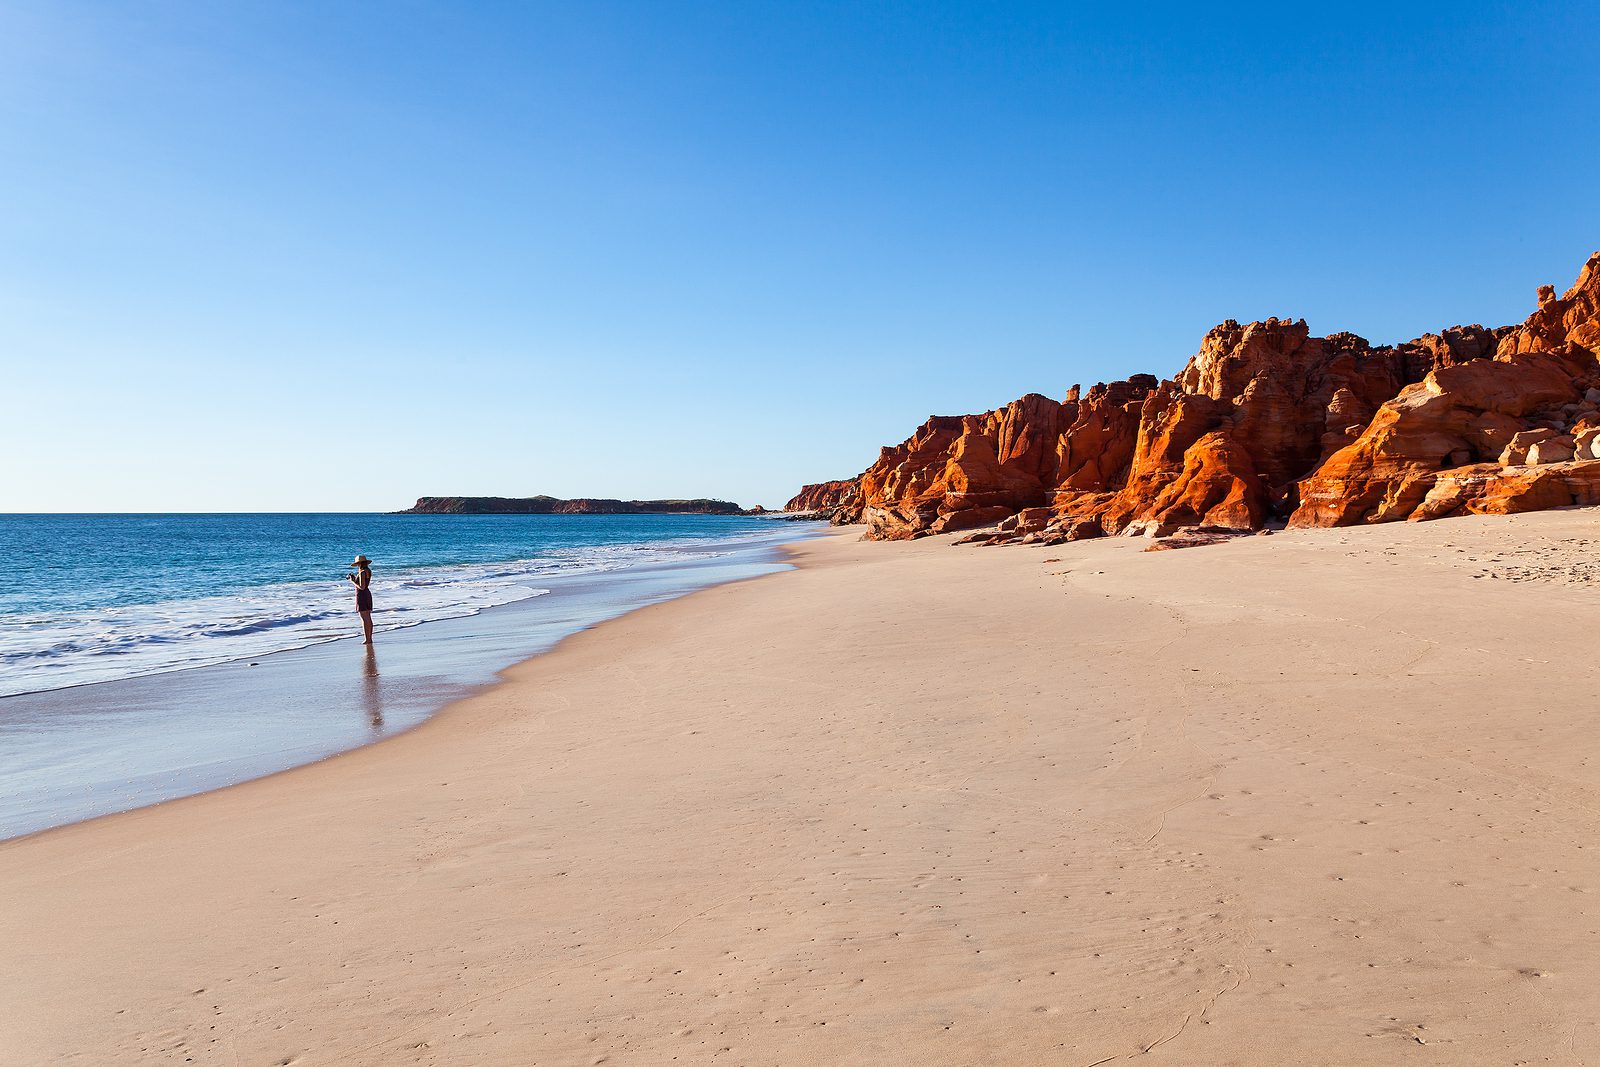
(78, 752)
(905, 802)
(435, 710)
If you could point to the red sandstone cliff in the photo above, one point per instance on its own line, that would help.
(823, 496)
(1267, 422)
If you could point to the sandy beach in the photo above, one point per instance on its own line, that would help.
(1323, 797)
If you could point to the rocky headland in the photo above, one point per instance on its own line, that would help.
(549, 505)
(1265, 424)
(825, 496)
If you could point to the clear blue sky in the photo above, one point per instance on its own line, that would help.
(334, 256)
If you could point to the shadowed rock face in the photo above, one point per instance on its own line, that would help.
(1266, 422)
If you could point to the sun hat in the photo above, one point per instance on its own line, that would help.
(361, 561)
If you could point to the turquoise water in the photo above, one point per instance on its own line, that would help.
(93, 598)
(154, 657)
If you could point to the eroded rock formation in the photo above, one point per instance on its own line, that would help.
(1266, 423)
(823, 496)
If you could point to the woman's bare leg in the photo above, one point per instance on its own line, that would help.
(366, 626)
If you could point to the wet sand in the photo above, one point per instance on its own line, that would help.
(1322, 797)
(71, 754)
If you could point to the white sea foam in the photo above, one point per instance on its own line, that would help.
(53, 650)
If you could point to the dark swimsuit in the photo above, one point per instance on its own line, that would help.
(363, 598)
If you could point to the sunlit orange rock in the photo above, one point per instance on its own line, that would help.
(1267, 422)
(824, 496)
(1572, 318)
(1433, 426)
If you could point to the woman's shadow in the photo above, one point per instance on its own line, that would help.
(371, 695)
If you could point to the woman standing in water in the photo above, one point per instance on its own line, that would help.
(362, 580)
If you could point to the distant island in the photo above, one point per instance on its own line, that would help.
(549, 505)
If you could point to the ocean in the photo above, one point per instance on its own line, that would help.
(146, 657)
(90, 598)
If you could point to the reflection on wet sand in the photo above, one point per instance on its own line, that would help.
(72, 754)
(371, 698)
